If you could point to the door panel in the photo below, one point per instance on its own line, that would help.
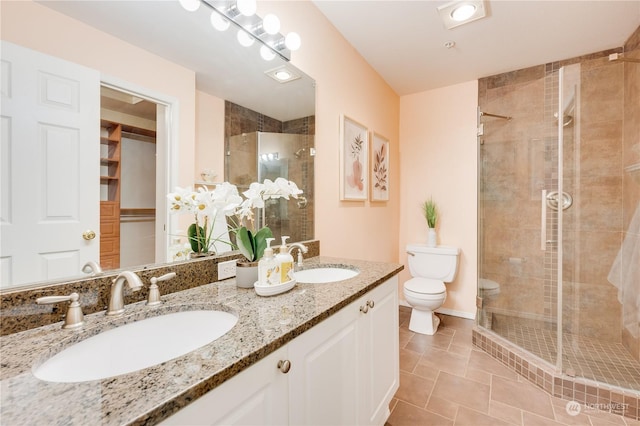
(50, 120)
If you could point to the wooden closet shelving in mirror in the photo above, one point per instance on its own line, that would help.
(110, 150)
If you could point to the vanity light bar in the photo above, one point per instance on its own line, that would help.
(250, 26)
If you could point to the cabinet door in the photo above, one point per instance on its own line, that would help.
(380, 367)
(323, 376)
(256, 396)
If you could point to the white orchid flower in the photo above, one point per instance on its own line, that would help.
(225, 197)
(180, 200)
(245, 211)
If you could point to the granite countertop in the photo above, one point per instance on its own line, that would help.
(152, 394)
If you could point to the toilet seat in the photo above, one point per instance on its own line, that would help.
(425, 286)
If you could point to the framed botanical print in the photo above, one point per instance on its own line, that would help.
(354, 160)
(379, 168)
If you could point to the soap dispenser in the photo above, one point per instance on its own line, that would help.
(285, 262)
(268, 270)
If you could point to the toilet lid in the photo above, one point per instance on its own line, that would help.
(486, 284)
(425, 286)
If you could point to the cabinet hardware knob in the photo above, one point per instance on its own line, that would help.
(370, 303)
(284, 365)
(88, 235)
(364, 308)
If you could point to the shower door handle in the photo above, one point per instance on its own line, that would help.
(543, 221)
(554, 199)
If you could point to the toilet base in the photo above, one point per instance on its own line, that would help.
(424, 322)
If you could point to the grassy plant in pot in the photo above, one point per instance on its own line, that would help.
(430, 210)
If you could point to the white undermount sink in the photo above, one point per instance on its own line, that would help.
(134, 346)
(326, 274)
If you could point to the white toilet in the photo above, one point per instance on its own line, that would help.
(430, 268)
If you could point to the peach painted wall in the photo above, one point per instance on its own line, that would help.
(346, 84)
(209, 135)
(439, 157)
(37, 27)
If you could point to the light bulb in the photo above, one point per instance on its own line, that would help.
(190, 5)
(218, 22)
(271, 24)
(245, 39)
(283, 75)
(247, 7)
(266, 53)
(463, 12)
(292, 41)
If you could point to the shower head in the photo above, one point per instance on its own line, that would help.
(617, 57)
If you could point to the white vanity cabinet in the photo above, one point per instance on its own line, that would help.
(343, 371)
(256, 396)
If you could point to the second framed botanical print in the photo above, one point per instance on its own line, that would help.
(379, 168)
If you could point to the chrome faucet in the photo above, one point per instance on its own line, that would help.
(301, 249)
(116, 303)
(92, 268)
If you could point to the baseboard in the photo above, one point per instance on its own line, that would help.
(454, 313)
(451, 312)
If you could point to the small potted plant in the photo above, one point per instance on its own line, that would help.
(430, 210)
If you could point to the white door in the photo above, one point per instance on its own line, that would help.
(50, 164)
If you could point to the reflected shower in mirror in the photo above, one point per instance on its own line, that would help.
(278, 149)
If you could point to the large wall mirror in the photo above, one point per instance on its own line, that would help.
(136, 142)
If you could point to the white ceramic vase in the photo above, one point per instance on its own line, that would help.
(432, 238)
(246, 274)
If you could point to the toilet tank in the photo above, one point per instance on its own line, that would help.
(438, 263)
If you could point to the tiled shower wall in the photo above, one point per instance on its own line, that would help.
(241, 125)
(518, 162)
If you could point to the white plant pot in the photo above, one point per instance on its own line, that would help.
(246, 274)
(432, 238)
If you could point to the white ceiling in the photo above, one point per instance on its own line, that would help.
(404, 40)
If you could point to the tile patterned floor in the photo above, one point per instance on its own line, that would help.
(444, 380)
(602, 361)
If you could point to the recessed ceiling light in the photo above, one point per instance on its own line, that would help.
(463, 12)
(460, 12)
(282, 74)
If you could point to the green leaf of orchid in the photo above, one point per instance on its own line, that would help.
(245, 243)
(197, 238)
(261, 241)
